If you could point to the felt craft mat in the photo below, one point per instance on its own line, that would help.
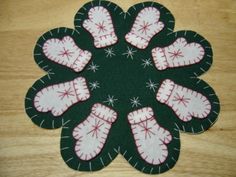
(122, 83)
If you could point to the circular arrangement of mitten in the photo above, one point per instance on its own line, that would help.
(122, 83)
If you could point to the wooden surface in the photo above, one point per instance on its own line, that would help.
(26, 150)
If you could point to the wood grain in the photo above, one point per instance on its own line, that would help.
(26, 150)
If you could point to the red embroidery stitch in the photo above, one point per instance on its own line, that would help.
(181, 99)
(176, 54)
(66, 93)
(146, 129)
(145, 27)
(65, 52)
(101, 27)
(96, 128)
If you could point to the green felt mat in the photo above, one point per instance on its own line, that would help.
(122, 82)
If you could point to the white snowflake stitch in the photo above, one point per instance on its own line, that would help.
(135, 102)
(94, 85)
(146, 62)
(109, 52)
(93, 67)
(110, 100)
(130, 52)
(151, 85)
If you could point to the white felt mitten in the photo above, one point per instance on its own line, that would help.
(67, 53)
(92, 133)
(59, 97)
(150, 138)
(100, 26)
(178, 54)
(185, 103)
(146, 25)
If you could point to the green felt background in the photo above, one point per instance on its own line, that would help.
(123, 78)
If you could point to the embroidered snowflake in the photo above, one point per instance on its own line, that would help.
(122, 83)
(93, 67)
(147, 62)
(110, 100)
(109, 52)
(135, 102)
(129, 52)
(152, 86)
(94, 85)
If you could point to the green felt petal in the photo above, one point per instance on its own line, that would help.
(42, 61)
(43, 120)
(131, 155)
(129, 150)
(47, 120)
(116, 14)
(193, 70)
(195, 125)
(165, 16)
(103, 159)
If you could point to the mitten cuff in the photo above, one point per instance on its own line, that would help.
(136, 40)
(103, 112)
(140, 115)
(165, 91)
(81, 61)
(159, 58)
(81, 89)
(105, 40)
